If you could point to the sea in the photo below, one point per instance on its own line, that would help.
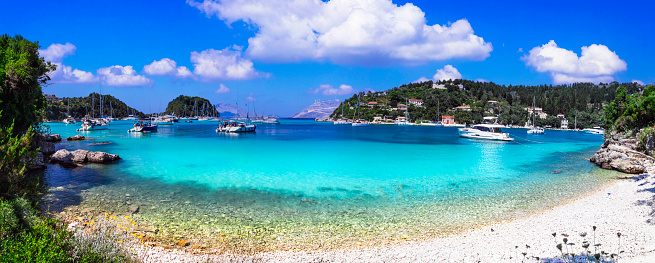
(315, 185)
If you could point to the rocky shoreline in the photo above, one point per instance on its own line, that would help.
(626, 153)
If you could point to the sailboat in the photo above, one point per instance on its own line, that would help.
(405, 122)
(534, 129)
(94, 124)
(341, 120)
(360, 122)
(437, 122)
(69, 119)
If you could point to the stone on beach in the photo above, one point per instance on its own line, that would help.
(620, 153)
(63, 157)
(182, 243)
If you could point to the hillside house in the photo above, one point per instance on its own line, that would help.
(402, 107)
(372, 104)
(445, 119)
(415, 102)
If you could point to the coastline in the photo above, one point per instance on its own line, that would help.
(624, 206)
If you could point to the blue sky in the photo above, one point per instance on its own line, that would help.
(284, 55)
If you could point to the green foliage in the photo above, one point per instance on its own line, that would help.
(463, 117)
(631, 111)
(184, 105)
(14, 151)
(22, 72)
(582, 101)
(81, 106)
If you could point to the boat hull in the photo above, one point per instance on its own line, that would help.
(476, 134)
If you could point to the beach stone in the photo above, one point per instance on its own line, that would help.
(146, 229)
(101, 157)
(619, 152)
(63, 157)
(79, 156)
(76, 138)
(182, 243)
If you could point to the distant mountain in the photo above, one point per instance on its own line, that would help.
(321, 110)
(230, 110)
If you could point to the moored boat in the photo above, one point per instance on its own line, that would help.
(485, 132)
(236, 126)
(595, 130)
(144, 126)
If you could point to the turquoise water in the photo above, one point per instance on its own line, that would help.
(303, 184)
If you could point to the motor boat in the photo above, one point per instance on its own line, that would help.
(342, 122)
(234, 126)
(94, 125)
(595, 130)
(70, 120)
(536, 130)
(485, 132)
(144, 126)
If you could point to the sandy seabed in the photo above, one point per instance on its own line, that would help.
(626, 207)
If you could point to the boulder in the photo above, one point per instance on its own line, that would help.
(619, 152)
(79, 156)
(182, 243)
(63, 157)
(101, 157)
(36, 163)
(76, 138)
(46, 148)
(51, 137)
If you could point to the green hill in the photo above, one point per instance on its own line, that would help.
(81, 106)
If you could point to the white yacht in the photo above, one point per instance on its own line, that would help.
(485, 132)
(70, 120)
(536, 130)
(595, 130)
(94, 125)
(361, 123)
(342, 121)
(234, 126)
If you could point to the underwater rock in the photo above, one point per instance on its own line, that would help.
(76, 138)
(133, 209)
(79, 156)
(100, 143)
(101, 157)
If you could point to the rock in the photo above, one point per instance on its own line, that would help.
(76, 138)
(101, 157)
(100, 143)
(182, 243)
(63, 157)
(51, 137)
(197, 247)
(79, 156)
(36, 163)
(133, 209)
(146, 229)
(619, 152)
(46, 148)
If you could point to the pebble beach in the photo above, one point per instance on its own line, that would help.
(625, 206)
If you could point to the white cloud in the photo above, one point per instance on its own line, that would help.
(421, 79)
(448, 72)
(328, 90)
(167, 67)
(347, 31)
(251, 97)
(596, 64)
(223, 64)
(639, 82)
(55, 53)
(222, 89)
(122, 76)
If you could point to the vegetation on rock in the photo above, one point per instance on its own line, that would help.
(184, 106)
(89, 105)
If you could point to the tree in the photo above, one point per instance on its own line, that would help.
(22, 72)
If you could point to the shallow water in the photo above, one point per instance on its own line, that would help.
(312, 185)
